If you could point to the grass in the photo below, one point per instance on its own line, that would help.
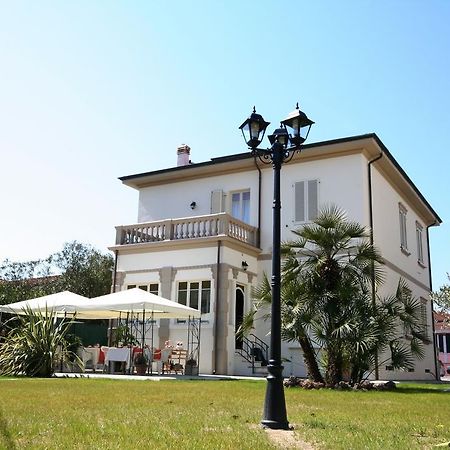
(113, 414)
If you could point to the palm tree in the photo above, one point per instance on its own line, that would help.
(335, 264)
(328, 305)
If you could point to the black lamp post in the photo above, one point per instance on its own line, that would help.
(283, 147)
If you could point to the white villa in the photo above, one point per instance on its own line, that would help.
(204, 233)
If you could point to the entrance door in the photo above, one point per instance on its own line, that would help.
(238, 314)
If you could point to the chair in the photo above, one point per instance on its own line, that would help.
(164, 362)
(149, 356)
(178, 360)
(102, 357)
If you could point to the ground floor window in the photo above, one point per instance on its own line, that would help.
(443, 341)
(153, 288)
(195, 294)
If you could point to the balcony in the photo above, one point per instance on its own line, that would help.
(197, 227)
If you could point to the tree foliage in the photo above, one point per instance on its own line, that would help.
(77, 267)
(328, 307)
(84, 270)
(441, 298)
(25, 280)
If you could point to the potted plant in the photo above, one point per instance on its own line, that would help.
(191, 367)
(124, 336)
(141, 364)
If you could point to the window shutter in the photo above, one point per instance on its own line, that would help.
(312, 200)
(217, 202)
(299, 194)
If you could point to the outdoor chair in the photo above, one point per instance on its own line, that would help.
(164, 362)
(102, 357)
(178, 361)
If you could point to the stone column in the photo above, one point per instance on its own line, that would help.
(220, 352)
(166, 277)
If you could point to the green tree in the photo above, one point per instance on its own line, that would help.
(441, 298)
(25, 280)
(77, 267)
(84, 270)
(327, 303)
(334, 263)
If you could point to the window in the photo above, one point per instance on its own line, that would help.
(240, 205)
(419, 230)
(153, 288)
(306, 200)
(195, 294)
(403, 235)
(440, 338)
(444, 343)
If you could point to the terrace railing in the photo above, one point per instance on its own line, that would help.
(197, 227)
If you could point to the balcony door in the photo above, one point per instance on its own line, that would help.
(240, 205)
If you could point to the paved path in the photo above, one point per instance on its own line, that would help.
(154, 377)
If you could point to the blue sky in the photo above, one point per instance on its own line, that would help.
(93, 90)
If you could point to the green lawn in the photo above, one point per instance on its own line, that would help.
(113, 414)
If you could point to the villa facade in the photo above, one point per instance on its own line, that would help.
(203, 238)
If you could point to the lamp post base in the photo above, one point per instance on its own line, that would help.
(275, 416)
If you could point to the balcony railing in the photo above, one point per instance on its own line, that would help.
(187, 228)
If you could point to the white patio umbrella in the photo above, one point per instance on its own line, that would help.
(136, 301)
(62, 303)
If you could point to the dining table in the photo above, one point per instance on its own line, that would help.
(118, 354)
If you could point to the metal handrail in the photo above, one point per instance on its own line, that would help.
(252, 346)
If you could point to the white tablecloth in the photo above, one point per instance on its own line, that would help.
(118, 354)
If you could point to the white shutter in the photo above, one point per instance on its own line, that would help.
(217, 201)
(312, 199)
(299, 198)
(306, 200)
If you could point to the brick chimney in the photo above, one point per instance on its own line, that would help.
(183, 152)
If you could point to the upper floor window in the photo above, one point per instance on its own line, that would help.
(240, 205)
(419, 234)
(195, 294)
(402, 212)
(306, 200)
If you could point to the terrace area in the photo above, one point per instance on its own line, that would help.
(197, 227)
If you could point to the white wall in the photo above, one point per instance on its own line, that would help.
(166, 258)
(170, 201)
(341, 183)
(387, 229)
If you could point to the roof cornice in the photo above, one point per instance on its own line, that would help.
(368, 144)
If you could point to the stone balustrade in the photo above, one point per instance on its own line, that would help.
(197, 227)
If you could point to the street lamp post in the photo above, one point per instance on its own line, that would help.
(283, 147)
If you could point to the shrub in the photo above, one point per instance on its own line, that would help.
(35, 344)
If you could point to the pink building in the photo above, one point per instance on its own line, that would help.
(442, 331)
